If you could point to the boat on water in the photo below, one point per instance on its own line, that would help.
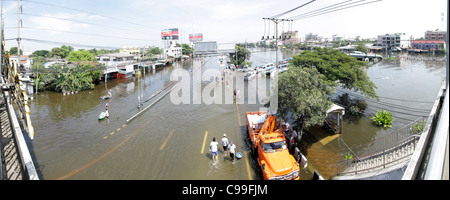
(102, 116)
(105, 97)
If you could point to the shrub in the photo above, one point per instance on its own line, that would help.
(417, 128)
(383, 118)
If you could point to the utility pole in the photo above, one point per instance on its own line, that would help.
(274, 96)
(276, 21)
(1, 38)
(19, 10)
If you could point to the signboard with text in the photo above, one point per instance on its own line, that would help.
(196, 37)
(169, 34)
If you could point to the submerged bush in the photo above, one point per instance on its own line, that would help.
(417, 128)
(383, 118)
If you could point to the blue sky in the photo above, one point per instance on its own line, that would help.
(116, 23)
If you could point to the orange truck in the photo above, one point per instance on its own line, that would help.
(268, 141)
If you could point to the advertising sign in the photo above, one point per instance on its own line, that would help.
(169, 34)
(196, 37)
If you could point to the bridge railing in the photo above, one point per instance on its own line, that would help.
(381, 159)
(380, 149)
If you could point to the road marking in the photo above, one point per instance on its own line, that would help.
(168, 137)
(107, 153)
(248, 166)
(124, 125)
(118, 129)
(112, 133)
(239, 117)
(204, 141)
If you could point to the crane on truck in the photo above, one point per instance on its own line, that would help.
(269, 143)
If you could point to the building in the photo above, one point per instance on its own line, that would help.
(337, 38)
(436, 35)
(25, 61)
(290, 37)
(428, 44)
(130, 50)
(173, 51)
(389, 41)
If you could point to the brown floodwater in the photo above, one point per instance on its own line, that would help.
(171, 141)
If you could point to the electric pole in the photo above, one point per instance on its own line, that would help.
(276, 21)
(19, 21)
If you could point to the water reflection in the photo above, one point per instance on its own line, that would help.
(69, 136)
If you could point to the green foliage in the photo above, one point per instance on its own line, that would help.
(242, 55)
(155, 51)
(303, 94)
(80, 55)
(187, 49)
(338, 67)
(383, 118)
(417, 128)
(13, 51)
(61, 52)
(361, 47)
(41, 53)
(63, 79)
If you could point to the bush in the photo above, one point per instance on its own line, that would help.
(417, 128)
(383, 118)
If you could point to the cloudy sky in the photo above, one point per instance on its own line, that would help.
(116, 23)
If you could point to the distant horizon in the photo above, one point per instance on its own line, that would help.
(121, 23)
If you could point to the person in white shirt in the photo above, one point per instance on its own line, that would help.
(232, 149)
(213, 148)
(225, 143)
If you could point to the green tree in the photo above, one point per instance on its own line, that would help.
(361, 47)
(58, 52)
(303, 95)
(13, 51)
(186, 49)
(41, 53)
(80, 55)
(338, 67)
(242, 55)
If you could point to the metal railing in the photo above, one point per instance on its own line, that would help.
(381, 159)
(381, 152)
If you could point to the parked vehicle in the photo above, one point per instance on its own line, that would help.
(269, 142)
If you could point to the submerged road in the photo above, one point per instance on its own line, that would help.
(169, 141)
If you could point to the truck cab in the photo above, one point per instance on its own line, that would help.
(274, 159)
(269, 143)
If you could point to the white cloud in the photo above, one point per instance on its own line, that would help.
(59, 22)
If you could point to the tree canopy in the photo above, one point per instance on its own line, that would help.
(303, 95)
(338, 67)
(242, 55)
(80, 55)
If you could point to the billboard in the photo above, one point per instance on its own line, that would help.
(169, 34)
(196, 37)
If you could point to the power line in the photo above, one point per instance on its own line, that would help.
(77, 21)
(87, 12)
(88, 34)
(315, 11)
(67, 43)
(322, 13)
(395, 106)
(276, 16)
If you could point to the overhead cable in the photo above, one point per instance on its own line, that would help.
(322, 13)
(87, 12)
(281, 14)
(67, 43)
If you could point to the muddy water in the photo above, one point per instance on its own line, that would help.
(166, 142)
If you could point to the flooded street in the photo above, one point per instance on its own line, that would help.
(171, 141)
